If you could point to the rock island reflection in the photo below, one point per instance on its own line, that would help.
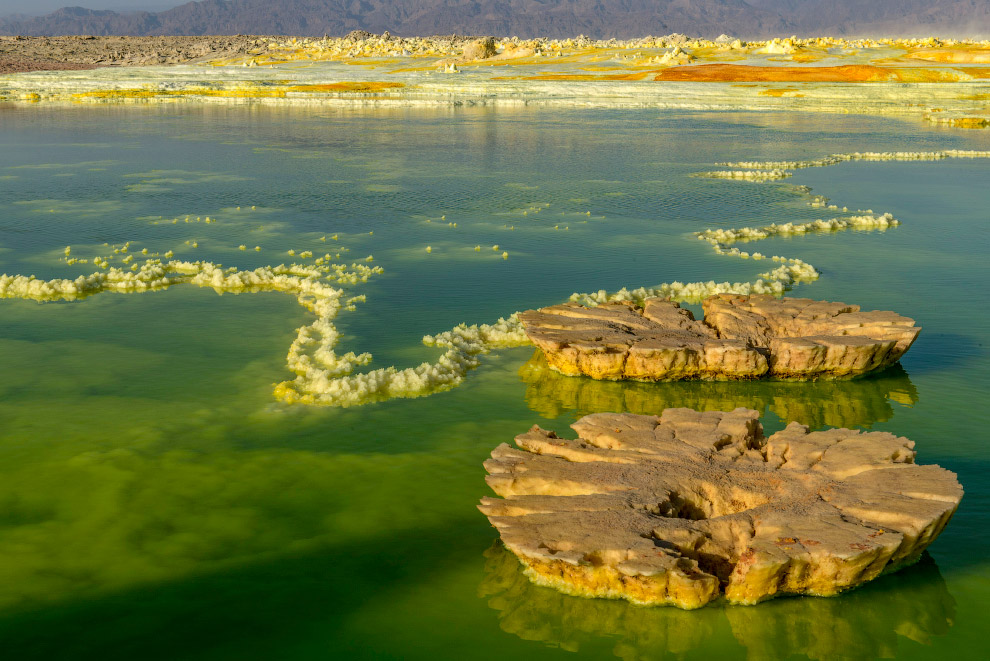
(856, 403)
(865, 623)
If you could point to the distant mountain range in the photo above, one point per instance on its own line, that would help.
(747, 19)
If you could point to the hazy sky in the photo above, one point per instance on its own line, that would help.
(38, 7)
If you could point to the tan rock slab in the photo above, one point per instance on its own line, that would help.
(660, 341)
(807, 339)
(685, 507)
(741, 337)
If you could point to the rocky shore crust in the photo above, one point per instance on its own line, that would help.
(21, 54)
(18, 54)
(687, 507)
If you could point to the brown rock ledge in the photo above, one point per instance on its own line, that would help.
(741, 337)
(685, 507)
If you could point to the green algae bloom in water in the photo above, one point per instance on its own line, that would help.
(156, 500)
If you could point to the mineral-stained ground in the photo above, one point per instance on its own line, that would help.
(943, 81)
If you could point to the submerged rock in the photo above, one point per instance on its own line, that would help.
(741, 337)
(685, 507)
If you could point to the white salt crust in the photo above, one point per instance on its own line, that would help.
(747, 175)
(324, 377)
(876, 156)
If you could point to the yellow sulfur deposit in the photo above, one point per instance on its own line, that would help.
(910, 77)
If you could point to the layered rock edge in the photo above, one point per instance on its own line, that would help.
(687, 507)
(741, 337)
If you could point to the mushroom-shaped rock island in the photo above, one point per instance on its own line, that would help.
(682, 508)
(741, 337)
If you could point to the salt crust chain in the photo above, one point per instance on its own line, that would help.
(748, 175)
(324, 377)
(833, 159)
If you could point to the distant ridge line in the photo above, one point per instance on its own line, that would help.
(747, 19)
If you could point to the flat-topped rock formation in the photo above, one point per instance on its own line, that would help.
(807, 338)
(660, 341)
(685, 507)
(741, 337)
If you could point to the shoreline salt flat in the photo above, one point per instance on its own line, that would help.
(946, 82)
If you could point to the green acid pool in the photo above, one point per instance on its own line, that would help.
(158, 502)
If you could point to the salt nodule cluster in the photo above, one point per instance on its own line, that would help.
(928, 78)
(678, 47)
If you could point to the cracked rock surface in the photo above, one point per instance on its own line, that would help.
(741, 337)
(685, 507)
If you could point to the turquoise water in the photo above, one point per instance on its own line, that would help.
(157, 502)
